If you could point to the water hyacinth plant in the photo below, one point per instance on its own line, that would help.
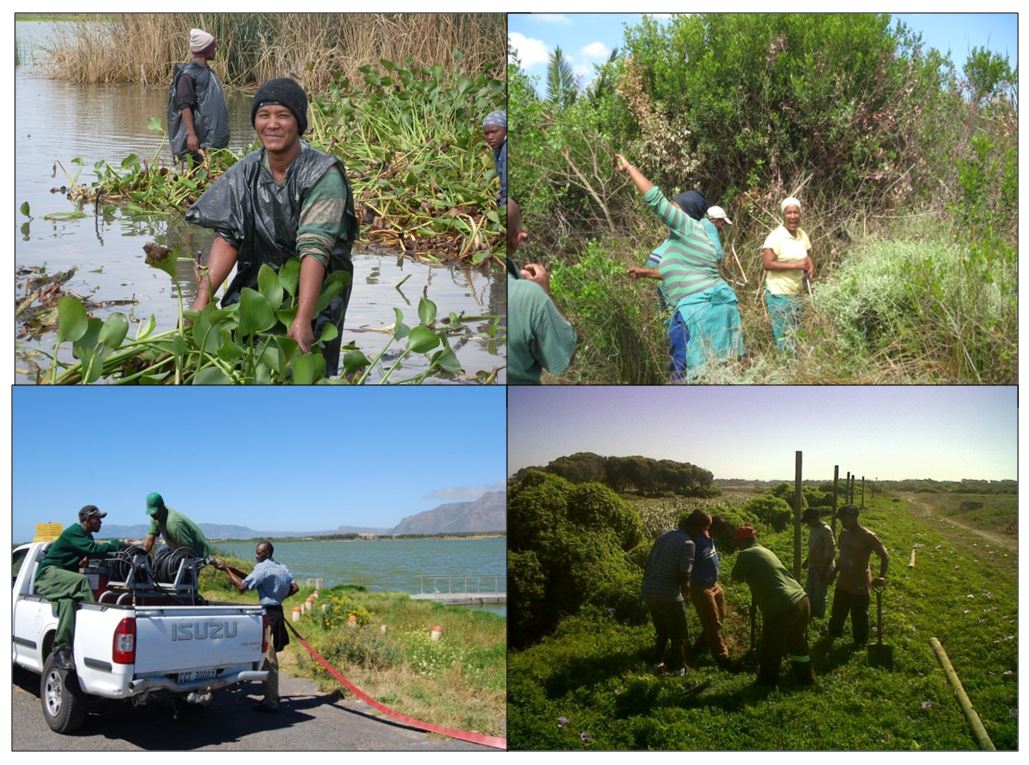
(243, 343)
(411, 140)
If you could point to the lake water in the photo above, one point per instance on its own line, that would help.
(391, 564)
(56, 122)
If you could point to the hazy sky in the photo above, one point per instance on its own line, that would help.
(273, 459)
(587, 39)
(942, 432)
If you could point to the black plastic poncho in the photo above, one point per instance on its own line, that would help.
(260, 218)
(210, 117)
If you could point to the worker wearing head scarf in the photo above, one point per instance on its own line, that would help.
(786, 257)
(705, 325)
(494, 130)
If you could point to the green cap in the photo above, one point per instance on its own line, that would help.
(154, 502)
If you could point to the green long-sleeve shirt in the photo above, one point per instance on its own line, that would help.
(180, 531)
(72, 545)
(772, 586)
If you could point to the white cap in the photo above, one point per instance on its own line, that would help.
(718, 212)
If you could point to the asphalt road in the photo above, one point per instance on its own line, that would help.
(309, 720)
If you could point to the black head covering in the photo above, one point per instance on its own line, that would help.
(693, 203)
(284, 91)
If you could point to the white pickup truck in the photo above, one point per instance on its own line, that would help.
(135, 642)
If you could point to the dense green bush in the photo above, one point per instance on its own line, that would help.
(622, 335)
(771, 511)
(567, 550)
(877, 134)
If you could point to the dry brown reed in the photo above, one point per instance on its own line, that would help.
(312, 48)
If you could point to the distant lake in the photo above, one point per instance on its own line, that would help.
(391, 564)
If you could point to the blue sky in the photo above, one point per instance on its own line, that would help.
(588, 39)
(940, 432)
(273, 459)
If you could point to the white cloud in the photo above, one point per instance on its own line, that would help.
(552, 18)
(582, 71)
(530, 51)
(595, 50)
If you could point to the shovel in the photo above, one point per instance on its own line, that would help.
(880, 655)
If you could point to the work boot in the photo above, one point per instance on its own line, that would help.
(728, 665)
(63, 658)
(803, 673)
(767, 676)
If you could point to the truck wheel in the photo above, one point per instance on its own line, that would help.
(64, 703)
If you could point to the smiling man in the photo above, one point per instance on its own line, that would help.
(284, 200)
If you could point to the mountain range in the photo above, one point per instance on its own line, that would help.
(487, 514)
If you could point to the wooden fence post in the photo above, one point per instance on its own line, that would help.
(798, 501)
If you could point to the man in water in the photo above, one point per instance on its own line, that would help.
(198, 117)
(285, 200)
(494, 130)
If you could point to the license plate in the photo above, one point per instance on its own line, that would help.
(202, 674)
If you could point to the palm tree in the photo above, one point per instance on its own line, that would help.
(561, 86)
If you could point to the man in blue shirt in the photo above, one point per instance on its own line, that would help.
(274, 584)
(705, 591)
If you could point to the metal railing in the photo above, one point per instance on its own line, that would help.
(493, 584)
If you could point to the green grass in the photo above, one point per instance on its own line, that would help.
(588, 686)
(998, 514)
(910, 306)
(458, 681)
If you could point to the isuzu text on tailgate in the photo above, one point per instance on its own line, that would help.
(142, 637)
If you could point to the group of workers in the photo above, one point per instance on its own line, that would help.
(704, 325)
(684, 563)
(58, 579)
(282, 201)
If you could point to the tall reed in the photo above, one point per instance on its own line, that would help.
(253, 47)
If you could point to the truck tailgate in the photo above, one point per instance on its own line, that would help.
(187, 638)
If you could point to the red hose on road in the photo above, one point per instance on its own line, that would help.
(496, 742)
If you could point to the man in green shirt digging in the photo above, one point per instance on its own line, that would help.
(176, 529)
(59, 581)
(785, 608)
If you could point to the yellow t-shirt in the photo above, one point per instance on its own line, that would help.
(786, 248)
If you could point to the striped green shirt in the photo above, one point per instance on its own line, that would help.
(689, 262)
(323, 217)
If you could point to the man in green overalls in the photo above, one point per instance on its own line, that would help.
(59, 581)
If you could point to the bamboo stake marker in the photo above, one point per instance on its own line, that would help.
(966, 705)
(911, 563)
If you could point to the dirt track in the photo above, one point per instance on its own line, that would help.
(924, 509)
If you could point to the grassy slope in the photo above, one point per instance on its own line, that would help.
(588, 687)
(458, 681)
